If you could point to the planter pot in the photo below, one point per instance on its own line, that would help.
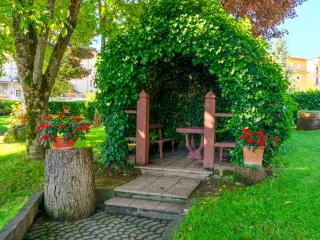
(23, 121)
(252, 157)
(60, 143)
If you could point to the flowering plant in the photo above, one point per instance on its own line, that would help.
(68, 127)
(257, 139)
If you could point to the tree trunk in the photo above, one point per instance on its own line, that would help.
(36, 104)
(69, 184)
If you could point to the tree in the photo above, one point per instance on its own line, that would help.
(71, 68)
(116, 15)
(265, 15)
(42, 31)
(280, 55)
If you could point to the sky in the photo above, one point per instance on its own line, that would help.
(303, 39)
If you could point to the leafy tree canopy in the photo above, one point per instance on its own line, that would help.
(265, 15)
(201, 35)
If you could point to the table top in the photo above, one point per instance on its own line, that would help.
(191, 130)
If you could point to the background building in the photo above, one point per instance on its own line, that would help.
(305, 72)
(10, 88)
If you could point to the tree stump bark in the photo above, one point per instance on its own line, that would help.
(250, 176)
(69, 184)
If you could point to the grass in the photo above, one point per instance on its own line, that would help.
(4, 122)
(282, 207)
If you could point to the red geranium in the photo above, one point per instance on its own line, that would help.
(62, 126)
(255, 139)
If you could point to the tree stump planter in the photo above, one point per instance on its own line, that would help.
(69, 192)
(250, 176)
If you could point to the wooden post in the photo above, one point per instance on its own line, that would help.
(209, 130)
(142, 134)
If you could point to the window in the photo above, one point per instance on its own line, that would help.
(18, 93)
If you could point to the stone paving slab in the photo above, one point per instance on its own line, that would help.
(143, 204)
(169, 186)
(102, 226)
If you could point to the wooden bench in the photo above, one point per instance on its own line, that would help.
(160, 141)
(222, 145)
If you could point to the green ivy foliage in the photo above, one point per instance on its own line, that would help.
(237, 66)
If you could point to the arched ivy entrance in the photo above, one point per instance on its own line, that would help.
(167, 49)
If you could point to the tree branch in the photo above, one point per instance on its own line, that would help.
(42, 43)
(62, 43)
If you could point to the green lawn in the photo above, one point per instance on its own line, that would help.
(282, 207)
(20, 178)
(4, 122)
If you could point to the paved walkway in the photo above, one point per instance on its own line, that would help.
(100, 226)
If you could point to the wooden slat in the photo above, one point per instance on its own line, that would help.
(132, 111)
(223, 115)
(132, 139)
(155, 126)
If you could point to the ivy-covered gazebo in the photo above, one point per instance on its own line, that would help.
(177, 52)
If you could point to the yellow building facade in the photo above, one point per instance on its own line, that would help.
(305, 73)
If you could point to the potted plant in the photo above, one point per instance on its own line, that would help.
(63, 131)
(253, 149)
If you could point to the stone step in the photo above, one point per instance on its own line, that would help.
(158, 188)
(168, 171)
(145, 208)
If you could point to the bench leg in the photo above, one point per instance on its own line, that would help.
(161, 149)
(221, 154)
(172, 145)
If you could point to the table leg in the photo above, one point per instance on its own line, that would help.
(195, 153)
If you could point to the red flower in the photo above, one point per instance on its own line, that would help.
(276, 139)
(48, 126)
(49, 136)
(44, 137)
(60, 115)
(260, 143)
(62, 126)
(260, 134)
(38, 131)
(244, 136)
(50, 118)
(78, 129)
(250, 141)
(43, 126)
(79, 119)
(70, 135)
(73, 118)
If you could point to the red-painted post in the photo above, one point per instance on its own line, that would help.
(209, 130)
(142, 134)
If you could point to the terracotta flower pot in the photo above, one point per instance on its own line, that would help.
(59, 143)
(252, 157)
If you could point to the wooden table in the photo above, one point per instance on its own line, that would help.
(194, 153)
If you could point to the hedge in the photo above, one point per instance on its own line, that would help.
(309, 100)
(5, 106)
(76, 107)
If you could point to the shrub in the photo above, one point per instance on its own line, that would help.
(309, 100)
(185, 48)
(6, 106)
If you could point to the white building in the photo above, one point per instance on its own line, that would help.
(10, 88)
(313, 69)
